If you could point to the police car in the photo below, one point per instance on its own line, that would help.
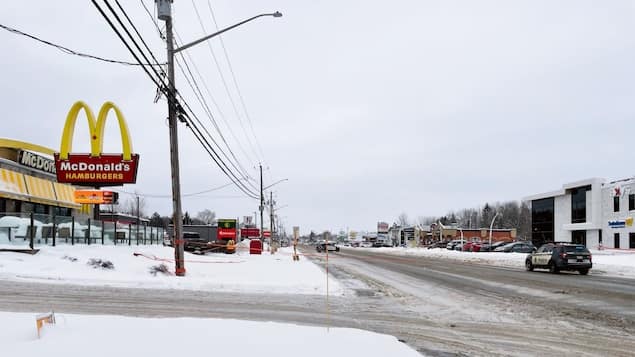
(557, 256)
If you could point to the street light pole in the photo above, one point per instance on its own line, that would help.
(261, 208)
(490, 229)
(164, 11)
(271, 222)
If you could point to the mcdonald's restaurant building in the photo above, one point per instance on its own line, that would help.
(28, 183)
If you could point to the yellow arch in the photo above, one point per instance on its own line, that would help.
(66, 145)
(17, 144)
(126, 142)
(95, 128)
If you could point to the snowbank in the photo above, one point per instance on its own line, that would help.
(108, 336)
(240, 272)
(605, 262)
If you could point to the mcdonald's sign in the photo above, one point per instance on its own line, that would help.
(96, 169)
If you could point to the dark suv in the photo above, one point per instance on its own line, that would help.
(560, 256)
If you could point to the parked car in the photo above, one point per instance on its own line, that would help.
(480, 246)
(322, 247)
(453, 243)
(484, 246)
(441, 244)
(516, 247)
(366, 244)
(560, 256)
(469, 246)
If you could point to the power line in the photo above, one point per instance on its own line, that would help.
(226, 87)
(68, 50)
(240, 95)
(183, 115)
(207, 146)
(170, 196)
(153, 20)
(206, 108)
(220, 112)
(199, 97)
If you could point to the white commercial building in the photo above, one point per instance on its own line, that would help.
(591, 212)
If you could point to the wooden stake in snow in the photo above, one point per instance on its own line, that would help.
(40, 320)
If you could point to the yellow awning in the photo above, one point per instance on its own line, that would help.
(12, 185)
(40, 190)
(65, 195)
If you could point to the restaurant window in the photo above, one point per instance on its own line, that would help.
(27, 207)
(631, 202)
(616, 240)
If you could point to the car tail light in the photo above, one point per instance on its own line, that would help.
(589, 257)
(563, 255)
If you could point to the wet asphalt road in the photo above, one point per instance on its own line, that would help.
(438, 307)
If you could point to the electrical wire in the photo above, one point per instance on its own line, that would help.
(208, 133)
(201, 100)
(68, 50)
(225, 86)
(199, 136)
(149, 195)
(211, 117)
(199, 96)
(153, 20)
(240, 95)
(183, 115)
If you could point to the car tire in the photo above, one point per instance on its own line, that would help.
(553, 269)
(528, 265)
(584, 271)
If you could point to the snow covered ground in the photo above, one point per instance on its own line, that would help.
(240, 272)
(108, 336)
(605, 262)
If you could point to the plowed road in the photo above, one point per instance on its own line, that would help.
(439, 307)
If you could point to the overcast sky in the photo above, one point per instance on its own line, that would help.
(368, 108)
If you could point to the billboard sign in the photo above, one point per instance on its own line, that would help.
(250, 232)
(382, 227)
(226, 229)
(96, 169)
(95, 197)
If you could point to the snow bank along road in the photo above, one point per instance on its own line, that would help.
(439, 307)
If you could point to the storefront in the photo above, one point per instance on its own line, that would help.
(28, 183)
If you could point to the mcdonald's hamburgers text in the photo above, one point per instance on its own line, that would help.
(96, 169)
(105, 170)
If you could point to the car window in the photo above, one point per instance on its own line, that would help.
(575, 249)
(547, 248)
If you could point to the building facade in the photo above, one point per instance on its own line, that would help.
(592, 212)
(28, 183)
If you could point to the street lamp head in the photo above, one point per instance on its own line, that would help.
(277, 14)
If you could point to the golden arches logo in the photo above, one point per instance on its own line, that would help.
(96, 169)
(96, 130)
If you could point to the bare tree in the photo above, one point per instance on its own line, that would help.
(207, 216)
(402, 220)
(130, 206)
